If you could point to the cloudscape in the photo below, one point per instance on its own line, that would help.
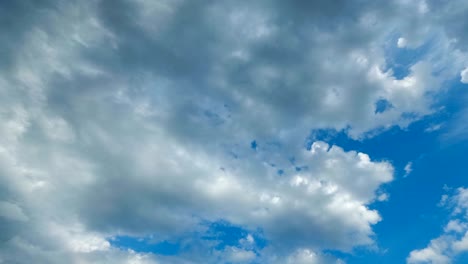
(202, 131)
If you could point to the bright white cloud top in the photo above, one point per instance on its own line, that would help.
(464, 75)
(135, 118)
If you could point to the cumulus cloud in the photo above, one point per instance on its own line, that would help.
(454, 240)
(135, 118)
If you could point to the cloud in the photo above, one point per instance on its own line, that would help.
(454, 239)
(12, 212)
(237, 255)
(408, 168)
(457, 127)
(433, 128)
(136, 117)
(434, 253)
(306, 256)
(401, 42)
(464, 76)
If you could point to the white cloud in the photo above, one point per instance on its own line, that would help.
(434, 253)
(247, 242)
(453, 241)
(383, 197)
(461, 245)
(238, 255)
(307, 256)
(401, 43)
(455, 226)
(433, 128)
(464, 75)
(304, 256)
(408, 168)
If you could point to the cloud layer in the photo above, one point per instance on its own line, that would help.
(137, 118)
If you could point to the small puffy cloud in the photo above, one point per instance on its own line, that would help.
(433, 128)
(383, 197)
(408, 168)
(401, 43)
(464, 75)
(248, 241)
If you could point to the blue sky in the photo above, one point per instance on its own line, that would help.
(184, 132)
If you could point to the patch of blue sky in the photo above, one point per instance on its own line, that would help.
(462, 258)
(145, 244)
(220, 233)
(253, 145)
(227, 234)
(400, 60)
(382, 105)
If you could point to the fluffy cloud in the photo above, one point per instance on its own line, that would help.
(402, 42)
(135, 118)
(454, 240)
(306, 256)
(434, 253)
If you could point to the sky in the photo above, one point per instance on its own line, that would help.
(255, 132)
